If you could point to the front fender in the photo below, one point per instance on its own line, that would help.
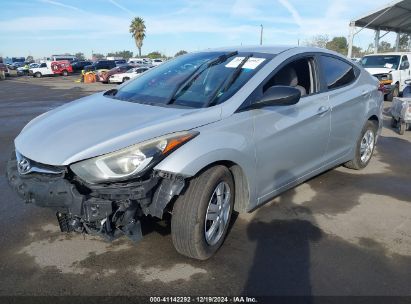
(228, 140)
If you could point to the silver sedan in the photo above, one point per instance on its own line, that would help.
(196, 138)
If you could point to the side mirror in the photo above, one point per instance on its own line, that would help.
(278, 96)
(405, 65)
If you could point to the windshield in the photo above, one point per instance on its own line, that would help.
(192, 80)
(383, 61)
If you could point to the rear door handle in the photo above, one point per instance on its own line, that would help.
(322, 110)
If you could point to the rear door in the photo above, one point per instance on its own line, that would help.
(348, 100)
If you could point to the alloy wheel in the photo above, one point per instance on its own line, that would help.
(218, 213)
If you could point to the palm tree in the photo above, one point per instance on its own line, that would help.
(138, 31)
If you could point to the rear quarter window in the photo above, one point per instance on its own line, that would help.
(336, 73)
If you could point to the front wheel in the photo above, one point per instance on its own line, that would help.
(64, 73)
(364, 147)
(202, 214)
(37, 75)
(125, 79)
(393, 122)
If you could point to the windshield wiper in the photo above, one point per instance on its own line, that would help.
(205, 65)
(225, 85)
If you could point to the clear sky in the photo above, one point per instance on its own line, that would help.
(44, 27)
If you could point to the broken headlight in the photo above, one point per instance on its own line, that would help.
(131, 161)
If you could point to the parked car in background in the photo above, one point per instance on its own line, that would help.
(79, 65)
(391, 69)
(120, 62)
(4, 71)
(156, 62)
(50, 68)
(104, 76)
(14, 62)
(139, 61)
(237, 129)
(24, 70)
(16, 65)
(130, 74)
(100, 64)
(70, 58)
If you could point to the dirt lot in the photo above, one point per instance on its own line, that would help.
(341, 233)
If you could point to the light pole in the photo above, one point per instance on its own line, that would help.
(261, 34)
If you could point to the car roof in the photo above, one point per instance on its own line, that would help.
(271, 49)
(274, 49)
(390, 53)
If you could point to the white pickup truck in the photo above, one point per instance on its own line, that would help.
(391, 69)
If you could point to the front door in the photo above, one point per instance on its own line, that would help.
(291, 140)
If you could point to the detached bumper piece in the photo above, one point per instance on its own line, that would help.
(108, 210)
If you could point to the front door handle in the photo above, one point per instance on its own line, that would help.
(322, 110)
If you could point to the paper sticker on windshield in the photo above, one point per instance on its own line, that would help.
(251, 63)
(388, 65)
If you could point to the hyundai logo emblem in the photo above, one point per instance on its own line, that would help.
(23, 166)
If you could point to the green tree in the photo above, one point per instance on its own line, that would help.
(138, 31)
(404, 42)
(338, 44)
(317, 41)
(154, 55)
(97, 56)
(357, 52)
(80, 56)
(123, 54)
(385, 47)
(179, 53)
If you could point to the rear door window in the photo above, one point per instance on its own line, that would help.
(335, 72)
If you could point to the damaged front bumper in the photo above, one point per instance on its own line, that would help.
(108, 210)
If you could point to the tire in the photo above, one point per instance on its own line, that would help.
(64, 73)
(37, 75)
(402, 127)
(125, 79)
(361, 161)
(394, 93)
(189, 228)
(394, 122)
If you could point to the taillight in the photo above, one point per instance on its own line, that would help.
(381, 87)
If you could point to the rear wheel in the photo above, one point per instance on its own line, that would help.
(202, 214)
(402, 127)
(364, 147)
(125, 79)
(37, 75)
(64, 73)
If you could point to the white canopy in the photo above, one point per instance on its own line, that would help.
(394, 17)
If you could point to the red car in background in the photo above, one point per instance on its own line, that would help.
(104, 76)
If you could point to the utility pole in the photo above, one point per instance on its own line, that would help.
(261, 34)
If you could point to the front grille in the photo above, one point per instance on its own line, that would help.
(26, 166)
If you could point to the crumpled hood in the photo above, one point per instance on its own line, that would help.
(375, 71)
(96, 125)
